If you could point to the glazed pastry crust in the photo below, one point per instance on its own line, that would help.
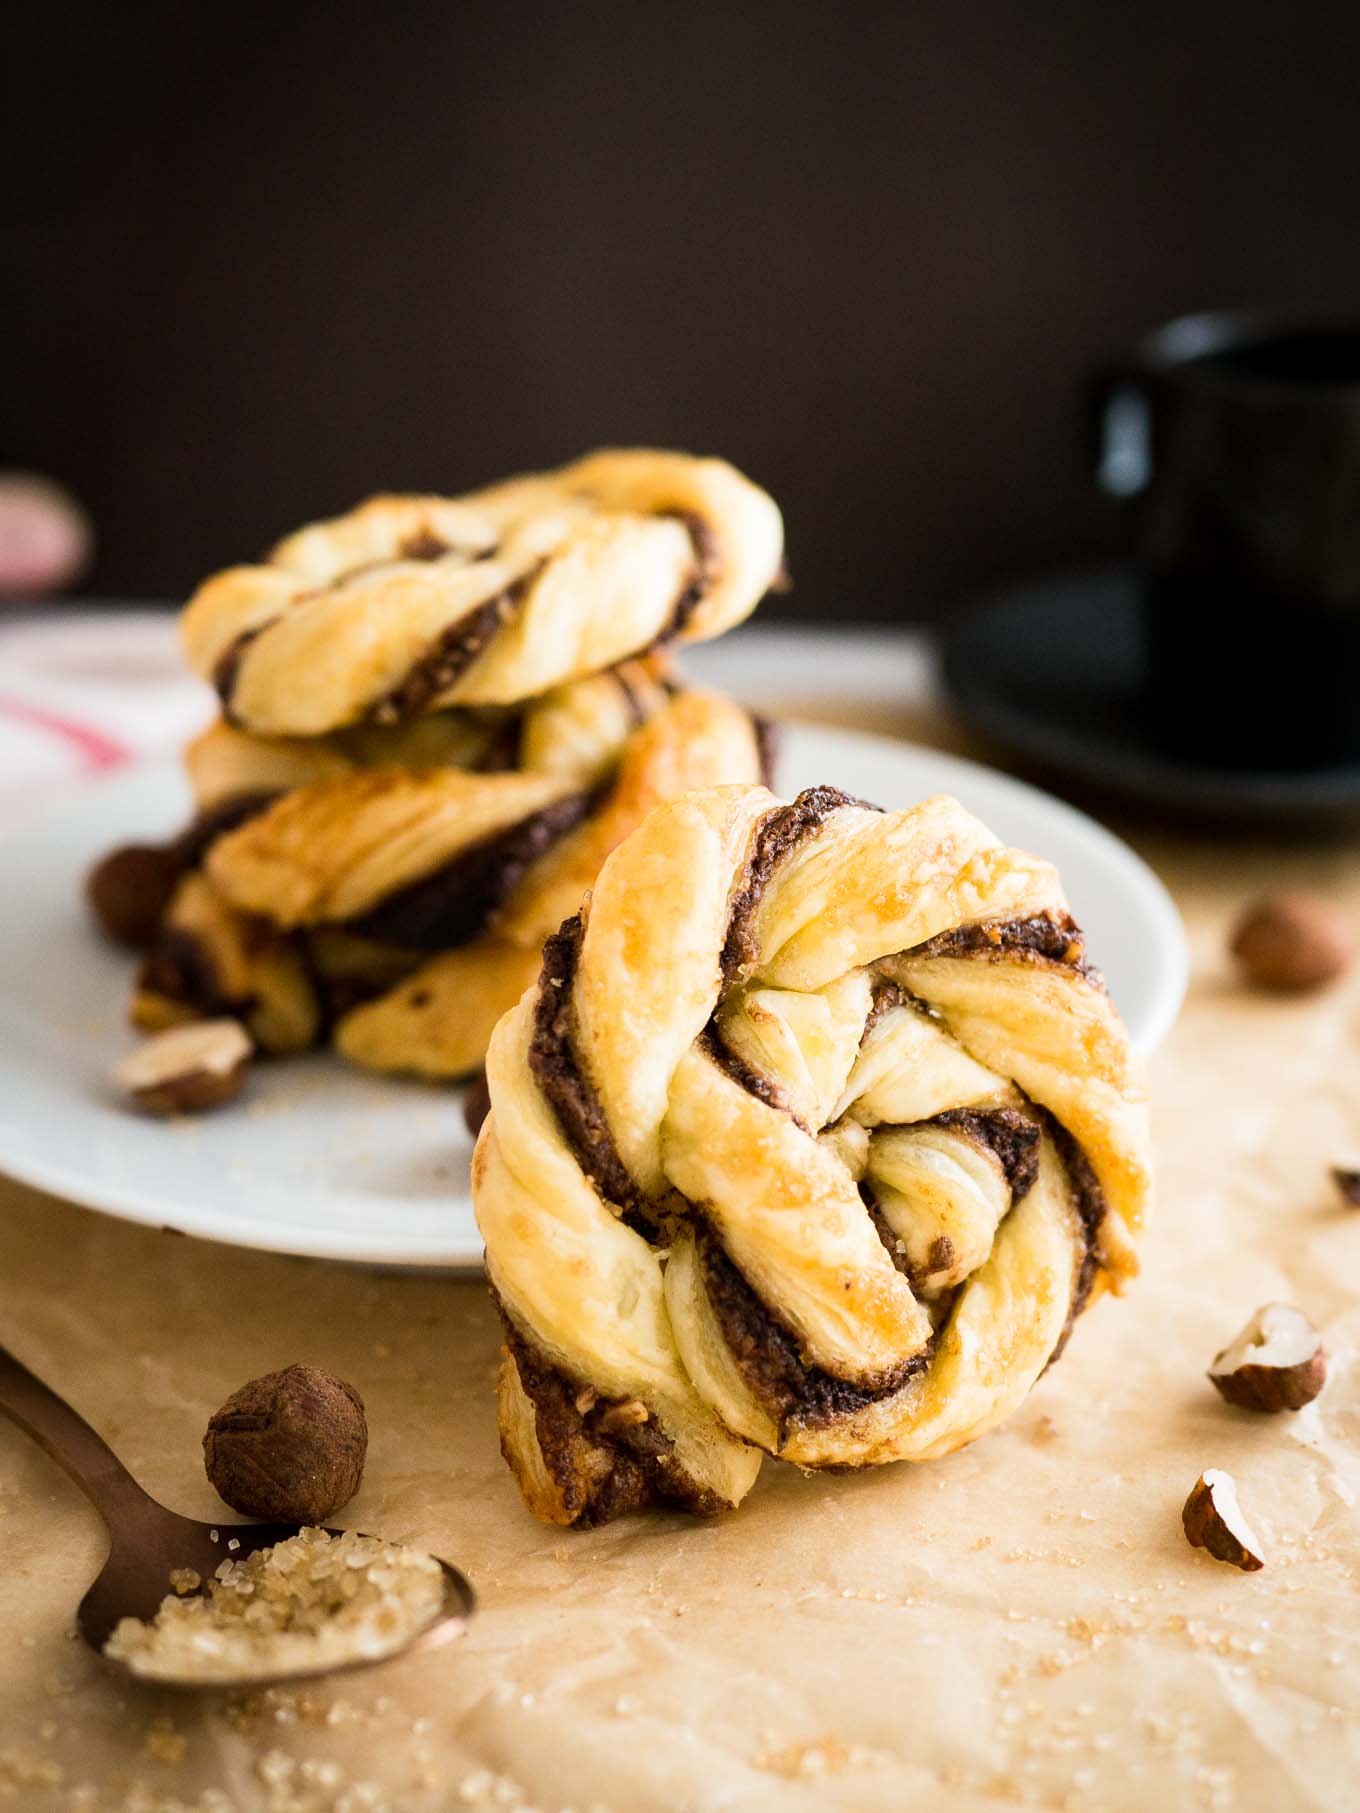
(329, 859)
(814, 1135)
(409, 605)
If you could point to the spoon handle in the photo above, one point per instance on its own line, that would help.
(69, 1439)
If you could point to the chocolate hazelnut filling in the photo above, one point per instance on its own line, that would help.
(779, 833)
(885, 996)
(795, 1393)
(1089, 1200)
(604, 1462)
(423, 544)
(552, 1059)
(214, 821)
(454, 904)
(637, 715)
(753, 1081)
(180, 968)
(707, 564)
(1045, 938)
(893, 1244)
(501, 755)
(450, 655)
(767, 748)
(1010, 1136)
(227, 670)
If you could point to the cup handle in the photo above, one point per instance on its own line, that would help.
(1119, 431)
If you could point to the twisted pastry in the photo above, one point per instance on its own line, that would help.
(372, 870)
(411, 604)
(814, 1136)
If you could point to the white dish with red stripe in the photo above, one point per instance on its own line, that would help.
(321, 1159)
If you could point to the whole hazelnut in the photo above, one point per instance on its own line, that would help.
(288, 1447)
(1292, 941)
(130, 889)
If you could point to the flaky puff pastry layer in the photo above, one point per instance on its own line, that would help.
(813, 1137)
(412, 604)
(374, 871)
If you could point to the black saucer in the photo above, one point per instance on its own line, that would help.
(1050, 671)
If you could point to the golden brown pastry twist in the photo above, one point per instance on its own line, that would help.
(368, 870)
(411, 604)
(813, 1137)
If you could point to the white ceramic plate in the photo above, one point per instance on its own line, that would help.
(324, 1160)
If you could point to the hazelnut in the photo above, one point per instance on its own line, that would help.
(1276, 1362)
(1347, 1182)
(187, 1069)
(632, 1413)
(477, 1104)
(1292, 942)
(130, 889)
(1213, 1520)
(288, 1447)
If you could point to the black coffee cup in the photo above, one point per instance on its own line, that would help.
(1237, 436)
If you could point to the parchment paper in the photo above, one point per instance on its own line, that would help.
(1021, 1625)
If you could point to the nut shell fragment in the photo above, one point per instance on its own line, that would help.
(1276, 1363)
(1213, 1520)
(187, 1069)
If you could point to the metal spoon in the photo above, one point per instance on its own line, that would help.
(148, 1541)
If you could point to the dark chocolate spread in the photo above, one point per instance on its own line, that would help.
(227, 670)
(1043, 938)
(179, 967)
(1012, 1137)
(423, 544)
(450, 655)
(767, 748)
(779, 832)
(552, 1059)
(204, 829)
(452, 905)
(603, 1465)
(795, 1393)
(753, 1081)
(1089, 1201)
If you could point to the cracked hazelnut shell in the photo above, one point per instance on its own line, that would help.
(1213, 1520)
(187, 1069)
(288, 1447)
(1276, 1363)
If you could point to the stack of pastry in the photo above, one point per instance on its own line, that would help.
(439, 716)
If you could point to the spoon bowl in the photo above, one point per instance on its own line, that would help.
(149, 1541)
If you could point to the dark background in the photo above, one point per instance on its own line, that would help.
(273, 258)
